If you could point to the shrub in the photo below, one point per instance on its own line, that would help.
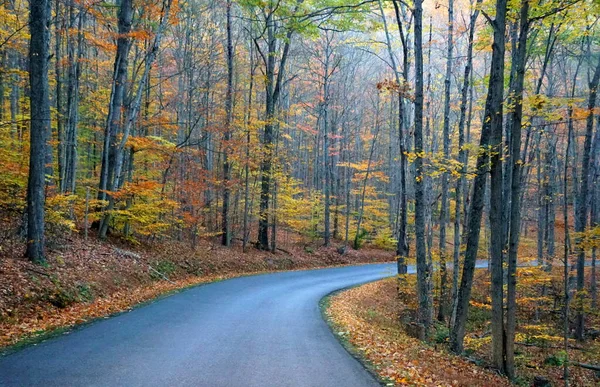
(165, 267)
(557, 359)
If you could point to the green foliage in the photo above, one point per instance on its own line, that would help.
(165, 267)
(64, 296)
(441, 334)
(361, 238)
(85, 293)
(478, 317)
(557, 359)
(384, 240)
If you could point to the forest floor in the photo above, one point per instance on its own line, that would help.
(85, 280)
(368, 318)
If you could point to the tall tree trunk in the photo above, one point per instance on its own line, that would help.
(445, 190)
(364, 188)
(39, 26)
(541, 227)
(75, 52)
(567, 250)
(115, 179)
(582, 208)
(595, 211)
(2, 82)
(273, 85)
(117, 95)
(551, 199)
(496, 193)
(402, 247)
(348, 182)
(491, 134)
(58, 27)
(273, 246)
(423, 269)
(246, 232)
(326, 162)
(226, 236)
(461, 184)
(267, 141)
(516, 118)
(338, 190)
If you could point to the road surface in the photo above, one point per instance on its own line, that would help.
(262, 331)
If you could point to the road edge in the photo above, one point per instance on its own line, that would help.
(351, 349)
(49, 334)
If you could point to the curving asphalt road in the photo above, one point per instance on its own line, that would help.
(263, 330)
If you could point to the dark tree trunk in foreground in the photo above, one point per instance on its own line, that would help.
(402, 247)
(116, 161)
(226, 237)
(582, 207)
(273, 81)
(117, 95)
(516, 118)
(461, 184)
(40, 126)
(423, 269)
(492, 125)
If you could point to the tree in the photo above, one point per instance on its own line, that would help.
(274, 60)
(491, 139)
(423, 269)
(444, 210)
(402, 247)
(114, 178)
(117, 96)
(39, 24)
(583, 206)
(516, 93)
(226, 229)
(461, 184)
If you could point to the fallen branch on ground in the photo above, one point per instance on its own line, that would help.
(587, 366)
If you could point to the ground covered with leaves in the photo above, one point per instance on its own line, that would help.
(84, 280)
(368, 318)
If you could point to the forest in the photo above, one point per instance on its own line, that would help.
(455, 134)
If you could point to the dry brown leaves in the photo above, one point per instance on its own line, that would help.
(366, 316)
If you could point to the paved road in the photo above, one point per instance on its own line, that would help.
(262, 331)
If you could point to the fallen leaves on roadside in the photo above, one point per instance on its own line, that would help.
(368, 315)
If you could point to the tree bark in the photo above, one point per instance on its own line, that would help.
(423, 269)
(445, 190)
(39, 25)
(272, 92)
(226, 231)
(516, 118)
(582, 208)
(461, 184)
(491, 134)
(117, 95)
(114, 180)
(326, 161)
(402, 247)
(74, 54)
